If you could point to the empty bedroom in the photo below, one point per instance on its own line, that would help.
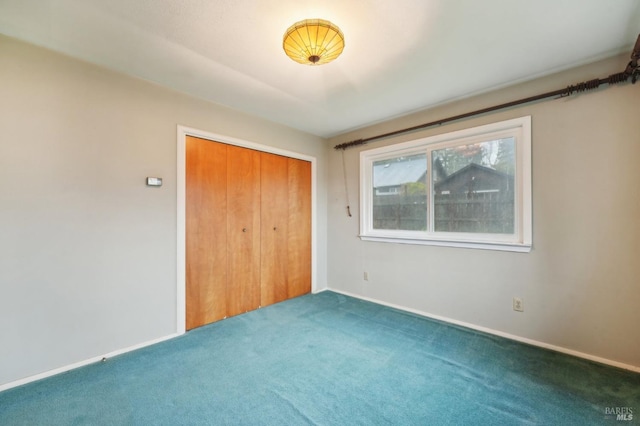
(363, 212)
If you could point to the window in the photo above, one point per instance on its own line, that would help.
(470, 188)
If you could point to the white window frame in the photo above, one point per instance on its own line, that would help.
(519, 241)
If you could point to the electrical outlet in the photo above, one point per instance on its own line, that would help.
(518, 305)
(366, 276)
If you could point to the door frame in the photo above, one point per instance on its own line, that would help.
(183, 132)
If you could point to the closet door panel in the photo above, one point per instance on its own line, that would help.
(299, 224)
(243, 230)
(274, 221)
(206, 231)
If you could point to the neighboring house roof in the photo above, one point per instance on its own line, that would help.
(482, 177)
(399, 172)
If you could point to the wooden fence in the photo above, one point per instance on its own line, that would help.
(485, 212)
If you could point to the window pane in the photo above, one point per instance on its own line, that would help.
(400, 193)
(473, 187)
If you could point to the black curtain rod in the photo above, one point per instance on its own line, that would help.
(631, 70)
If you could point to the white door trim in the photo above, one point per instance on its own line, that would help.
(183, 132)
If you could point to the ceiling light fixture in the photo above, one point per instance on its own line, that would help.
(313, 42)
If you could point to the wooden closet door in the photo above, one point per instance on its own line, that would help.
(299, 227)
(248, 226)
(206, 231)
(274, 224)
(243, 230)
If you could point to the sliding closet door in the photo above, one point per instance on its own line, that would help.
(274, 222)
(243, 230)
(299, 228)
(206, 231)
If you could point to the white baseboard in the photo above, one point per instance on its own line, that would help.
(497, 333)
(83, 363)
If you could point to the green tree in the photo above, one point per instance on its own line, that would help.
(415, 188)
(506, 157)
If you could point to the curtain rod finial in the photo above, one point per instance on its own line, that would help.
(346, 145)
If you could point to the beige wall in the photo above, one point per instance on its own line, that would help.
(581, 281)
(87, 251)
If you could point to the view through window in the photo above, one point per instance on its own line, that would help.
(469, 186)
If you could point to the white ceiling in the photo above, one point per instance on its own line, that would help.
(400, 55)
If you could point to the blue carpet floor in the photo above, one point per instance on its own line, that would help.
(327, 359)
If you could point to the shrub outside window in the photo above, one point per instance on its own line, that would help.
(470, 188)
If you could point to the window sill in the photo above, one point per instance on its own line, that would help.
(482, 245)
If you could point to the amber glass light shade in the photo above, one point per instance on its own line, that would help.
(313, 42)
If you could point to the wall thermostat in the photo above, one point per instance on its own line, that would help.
(154, 181)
